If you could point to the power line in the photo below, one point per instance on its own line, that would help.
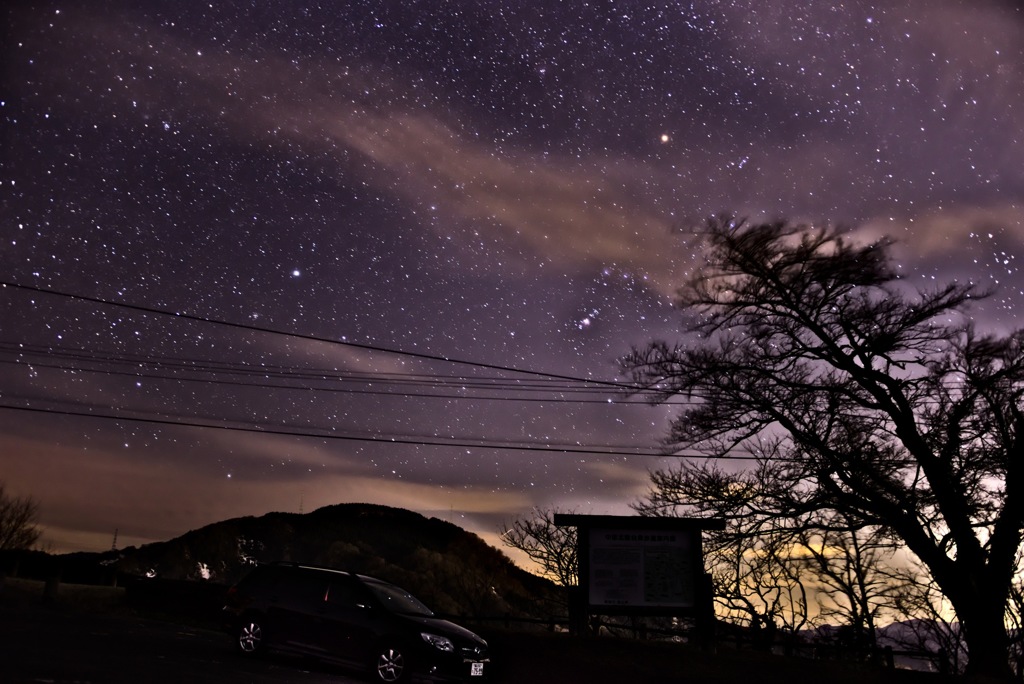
(71, 359)
(78, 407)
(493, 446)
(215, 367)
(23, 351)
(339, 390)
(338, 382)
(313, 338)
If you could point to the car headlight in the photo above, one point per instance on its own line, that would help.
(439, 642)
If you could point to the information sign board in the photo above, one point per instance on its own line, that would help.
(642, 568)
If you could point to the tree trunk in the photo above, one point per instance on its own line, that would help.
(984, 632)
(979, 597)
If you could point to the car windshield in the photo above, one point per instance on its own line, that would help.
(398, 600)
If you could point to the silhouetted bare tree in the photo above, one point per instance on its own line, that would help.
(755, 581)
(767, 568)
(18, 517)
(553, 548)
(927, 624)
(1015, 619)
(876, 400)
(851, 568)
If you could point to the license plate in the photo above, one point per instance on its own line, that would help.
(476, 669)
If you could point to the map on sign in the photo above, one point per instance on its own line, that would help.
(642, 568)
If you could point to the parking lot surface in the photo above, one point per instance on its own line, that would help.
(40, 644)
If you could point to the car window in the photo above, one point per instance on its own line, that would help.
(346, 593)
(257, 580)
(304, 588)
(396, 599)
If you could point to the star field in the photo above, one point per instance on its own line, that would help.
(216, 219)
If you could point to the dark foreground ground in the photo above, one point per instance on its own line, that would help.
(90, 635)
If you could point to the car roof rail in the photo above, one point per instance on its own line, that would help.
(309, 566)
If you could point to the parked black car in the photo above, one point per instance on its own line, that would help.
(353, 620)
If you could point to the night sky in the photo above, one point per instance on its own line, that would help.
(239, 240)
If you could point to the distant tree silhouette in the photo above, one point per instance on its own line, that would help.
(756, 582)
(553, 548)
(1016, 623)
(868, 397)
(927, 625)
(18, 518)
(852, 568)
(767, 568)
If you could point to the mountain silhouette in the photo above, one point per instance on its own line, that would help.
(454, 571)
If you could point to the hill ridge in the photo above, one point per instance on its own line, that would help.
(453, 570)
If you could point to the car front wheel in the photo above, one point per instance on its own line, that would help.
(250, 636)
(390, 664)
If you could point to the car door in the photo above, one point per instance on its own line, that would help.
(348, 615)
(295, 610)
